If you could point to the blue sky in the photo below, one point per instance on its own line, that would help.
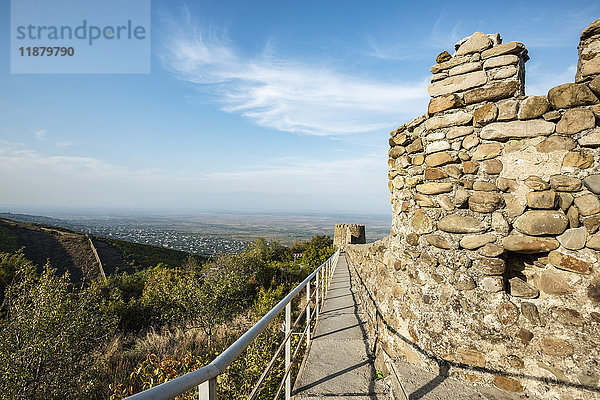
(254, 106)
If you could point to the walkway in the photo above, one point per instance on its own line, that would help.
(339, 365)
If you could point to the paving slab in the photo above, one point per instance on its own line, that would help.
(421, 384)
(338, 364)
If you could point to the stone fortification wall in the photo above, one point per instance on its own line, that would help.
(491, 268)
(349, 234)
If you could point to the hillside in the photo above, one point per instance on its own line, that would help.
(71, 251)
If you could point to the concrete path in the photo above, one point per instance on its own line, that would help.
(339, 365)
(420, 384)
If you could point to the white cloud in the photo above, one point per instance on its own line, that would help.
(289, 95)
(565, 22)
(396, 51)
(443, 36)
(30, 178)
(300, 174)
(41, 134)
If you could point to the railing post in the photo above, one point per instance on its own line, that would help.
(325, 281)
(327, 278)
(317, 308)
(208, 390)
(288, 349)
(308, 318)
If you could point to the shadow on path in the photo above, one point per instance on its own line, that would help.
(339, 363)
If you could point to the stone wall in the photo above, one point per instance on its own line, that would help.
(349, 234)
(491, 268)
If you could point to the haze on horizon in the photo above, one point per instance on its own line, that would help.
(262, 106)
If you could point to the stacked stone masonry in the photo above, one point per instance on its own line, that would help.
(349, 234)
(492, 263)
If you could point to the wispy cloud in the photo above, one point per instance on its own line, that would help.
(566, 22)
(78, 181)
(8, 147)
(41, 134)
(285, 94)
(299, 173)
(443, 36)
(385, 51)
(32, 164)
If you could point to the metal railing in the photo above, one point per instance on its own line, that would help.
(205, 378)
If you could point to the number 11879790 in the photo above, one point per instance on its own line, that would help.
(46, 51)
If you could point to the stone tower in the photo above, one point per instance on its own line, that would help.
(349, 234)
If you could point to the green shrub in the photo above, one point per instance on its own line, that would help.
(267, 299)
(48, 337)
(51, 336)
(10, 263)
(316, 251)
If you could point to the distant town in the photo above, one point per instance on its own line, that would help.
(190, 242)
(141, 231)
(208, 234)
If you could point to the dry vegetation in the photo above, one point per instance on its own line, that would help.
(108, 339)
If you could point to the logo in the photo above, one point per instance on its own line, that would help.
(80, 36)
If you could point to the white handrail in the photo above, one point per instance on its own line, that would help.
(205, 376)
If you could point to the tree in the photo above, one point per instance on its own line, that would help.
(318, 250)
(9, 264)
(48, 336)
(270, 251)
